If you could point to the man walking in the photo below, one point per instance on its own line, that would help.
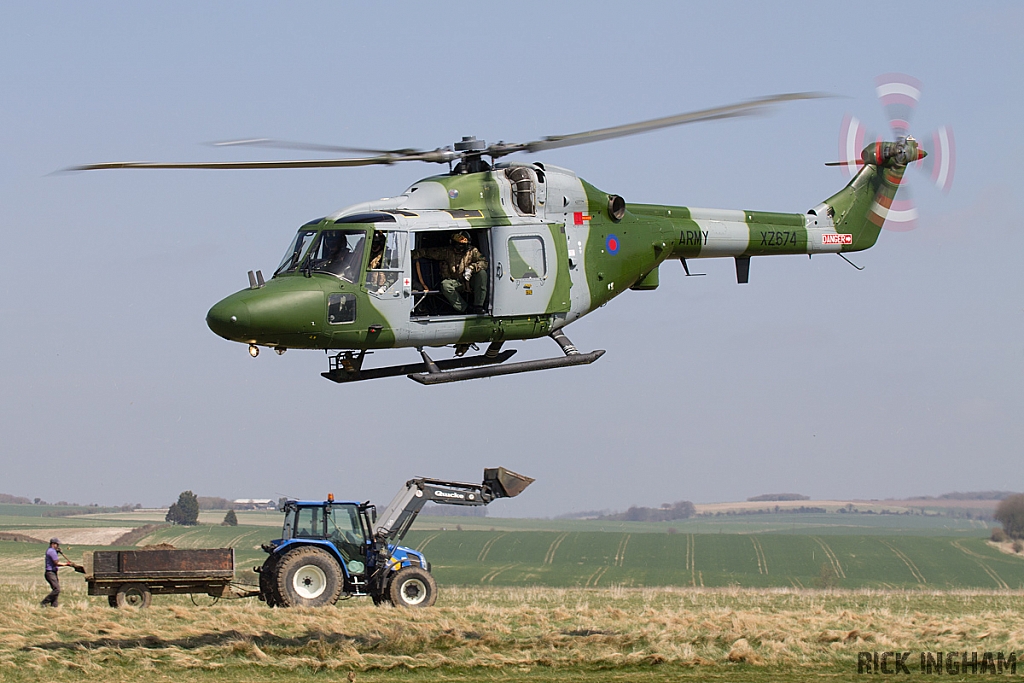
(53, 563)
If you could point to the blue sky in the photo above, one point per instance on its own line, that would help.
(815, 378)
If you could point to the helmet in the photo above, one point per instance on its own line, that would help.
(461, 237)
(54, 541)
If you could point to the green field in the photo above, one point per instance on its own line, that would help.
(20, 510)
(777, 523)
(603, 559)
(787, 550)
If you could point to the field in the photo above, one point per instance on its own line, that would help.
(593, 558)
(488, 634)
(794, 550)
(732, 598)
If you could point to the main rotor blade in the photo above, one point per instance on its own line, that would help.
(303, 163)
(729, 111)
(310, 147)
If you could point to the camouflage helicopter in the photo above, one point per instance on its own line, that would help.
(543, 248)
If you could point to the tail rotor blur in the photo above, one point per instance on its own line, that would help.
(899, 95)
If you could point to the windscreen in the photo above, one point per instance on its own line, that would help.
(293, 257)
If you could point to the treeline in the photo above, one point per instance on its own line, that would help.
(214, 503)
(666, 513)
(777, 497)
(63, 508)
(975, 495)
(767, 511)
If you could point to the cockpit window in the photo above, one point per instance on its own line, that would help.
(293, 257)
(338, 252)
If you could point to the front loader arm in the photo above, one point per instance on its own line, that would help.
(397, 518)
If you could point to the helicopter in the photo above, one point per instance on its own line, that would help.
(542, 246)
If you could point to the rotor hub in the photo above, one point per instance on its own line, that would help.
(469, 143)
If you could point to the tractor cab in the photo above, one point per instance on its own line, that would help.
(343, 524)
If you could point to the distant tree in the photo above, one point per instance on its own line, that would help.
(1010, 513)
(666, 513)
(186, 511)
(998, 535)
(214, 503)
(778, 496)
(230, 519)
(1018, 546)
(173, 514)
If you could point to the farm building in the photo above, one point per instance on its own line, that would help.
(253, 504)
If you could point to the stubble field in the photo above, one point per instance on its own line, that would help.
(502, 633)
(552, 603)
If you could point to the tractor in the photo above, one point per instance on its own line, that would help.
(333, 549)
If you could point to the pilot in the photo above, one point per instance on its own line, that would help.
(463, 272)
(342, 261)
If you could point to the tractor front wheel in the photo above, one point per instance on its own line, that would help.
(412, 587)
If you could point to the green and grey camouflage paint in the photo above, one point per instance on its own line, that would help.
(591, 252)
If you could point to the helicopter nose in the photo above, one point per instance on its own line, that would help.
(229, 318)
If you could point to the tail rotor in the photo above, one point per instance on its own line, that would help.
(899, 95)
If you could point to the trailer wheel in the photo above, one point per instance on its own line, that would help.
(133, 595)
(308, 577)
(413, 587)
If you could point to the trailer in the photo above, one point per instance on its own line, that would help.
(133, 577)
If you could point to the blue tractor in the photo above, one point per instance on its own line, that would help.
(331, 549)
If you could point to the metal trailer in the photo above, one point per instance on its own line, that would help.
(132, 577)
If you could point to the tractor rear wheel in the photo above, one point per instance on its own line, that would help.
(412, 587)
(307, 577)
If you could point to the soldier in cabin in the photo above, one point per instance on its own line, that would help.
(463, 272)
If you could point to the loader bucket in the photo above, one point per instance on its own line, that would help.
(505, 483)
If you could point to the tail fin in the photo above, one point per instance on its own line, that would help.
(860, 208)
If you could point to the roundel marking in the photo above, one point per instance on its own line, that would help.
(612, 244)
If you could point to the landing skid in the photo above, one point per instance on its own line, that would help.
(347, 367)
(435, 374)
(443, 376)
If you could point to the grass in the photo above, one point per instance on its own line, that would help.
(607, 559)
(22, 510)
(483, 634)
(604, 559)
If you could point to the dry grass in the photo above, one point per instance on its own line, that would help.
(476, 629)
